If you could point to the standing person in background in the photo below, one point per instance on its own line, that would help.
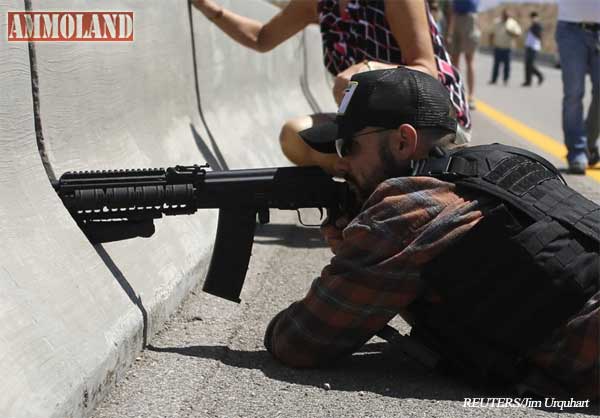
(506, 30)
(533, 43)
(578, 39)
(463, 37)
(358, 36)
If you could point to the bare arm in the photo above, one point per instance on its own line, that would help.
(261, 37)
(410, 25)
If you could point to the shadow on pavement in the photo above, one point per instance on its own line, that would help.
(370, 370)
(376, 368)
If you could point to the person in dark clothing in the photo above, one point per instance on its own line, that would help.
(533, 43)
(484, 251)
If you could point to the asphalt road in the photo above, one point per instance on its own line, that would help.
(209, 360)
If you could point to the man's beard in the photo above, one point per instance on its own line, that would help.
(390, 168)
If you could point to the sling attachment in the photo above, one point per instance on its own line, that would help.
(445, 167)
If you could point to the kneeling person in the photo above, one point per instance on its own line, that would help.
(484, 251)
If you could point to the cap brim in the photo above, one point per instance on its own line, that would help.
(321, 137)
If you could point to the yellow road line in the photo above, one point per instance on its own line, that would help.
(545, 142)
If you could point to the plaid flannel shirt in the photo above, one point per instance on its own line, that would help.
(375, 275)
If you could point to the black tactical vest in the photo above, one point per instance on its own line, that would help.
(519, 274)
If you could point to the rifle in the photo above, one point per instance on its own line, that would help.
(121, 204)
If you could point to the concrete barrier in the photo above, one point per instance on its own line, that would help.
(65, 323)
(74, 315)
(128, 105)
(317, 83)
(246, 96)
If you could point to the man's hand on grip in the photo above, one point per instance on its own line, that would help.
(332, 232)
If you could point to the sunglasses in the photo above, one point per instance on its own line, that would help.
(343, 146)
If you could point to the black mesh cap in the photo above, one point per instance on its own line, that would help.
(386, 98)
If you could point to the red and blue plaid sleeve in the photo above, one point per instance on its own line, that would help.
(375, 273)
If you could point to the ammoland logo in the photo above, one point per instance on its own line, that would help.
(70, 26)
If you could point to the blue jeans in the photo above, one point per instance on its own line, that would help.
(579, 51)
(501, 56)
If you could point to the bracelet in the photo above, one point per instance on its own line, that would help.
(217, 15)
(368, 64)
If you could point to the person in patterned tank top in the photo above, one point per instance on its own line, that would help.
(358, 36)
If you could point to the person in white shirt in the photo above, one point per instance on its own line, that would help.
(506, 30)
(533, 43)
(578, 39)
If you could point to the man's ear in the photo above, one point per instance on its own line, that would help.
(403, 142)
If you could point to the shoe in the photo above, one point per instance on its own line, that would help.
(526, 85)
(577, 168)
(593, 156)
(491, 83)
(540, 81)
(472, 105)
